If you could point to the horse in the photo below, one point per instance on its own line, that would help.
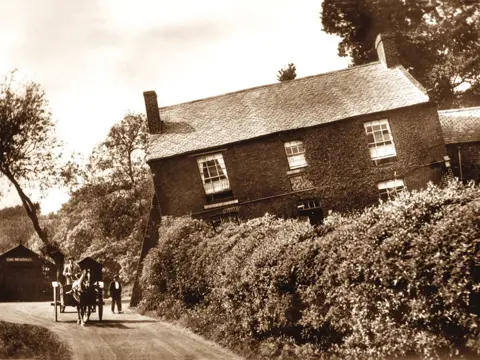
(84, 295)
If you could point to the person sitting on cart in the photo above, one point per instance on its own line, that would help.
(71, 271)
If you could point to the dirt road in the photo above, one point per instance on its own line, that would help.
(118, 336)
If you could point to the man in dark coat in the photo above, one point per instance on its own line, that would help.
(116, 294)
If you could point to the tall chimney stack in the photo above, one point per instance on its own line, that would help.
(155, 124)
(387, 50)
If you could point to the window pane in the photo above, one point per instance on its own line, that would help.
(296, 161)
(206, 174)
(217, 186)
(378, 137)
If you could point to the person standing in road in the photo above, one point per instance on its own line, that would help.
(116, 294)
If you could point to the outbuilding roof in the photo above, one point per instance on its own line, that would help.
(460, 125)
(21, 250)
(300, 103)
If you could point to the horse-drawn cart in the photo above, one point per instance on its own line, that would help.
(87, 298)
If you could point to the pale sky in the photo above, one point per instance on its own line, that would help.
(94, 58)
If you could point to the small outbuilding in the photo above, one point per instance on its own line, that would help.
(25, 275)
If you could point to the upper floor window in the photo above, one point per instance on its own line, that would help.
(213, 173)
(295, 154)
(390, 188)
(380, 140)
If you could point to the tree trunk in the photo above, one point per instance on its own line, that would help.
(50, 249)
(150, 240)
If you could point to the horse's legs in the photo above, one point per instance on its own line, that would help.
(86, 313)
(81, 314)
(78, 314)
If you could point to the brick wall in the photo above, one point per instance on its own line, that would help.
(470, 159)
(339, 166)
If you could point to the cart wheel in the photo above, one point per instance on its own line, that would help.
(100, 310)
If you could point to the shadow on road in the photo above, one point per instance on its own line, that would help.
(119, 324)
(129, 321)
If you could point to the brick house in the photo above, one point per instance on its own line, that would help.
(335, 141)
(461, 131)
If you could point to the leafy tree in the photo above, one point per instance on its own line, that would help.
(287, 73)
(437, 44)
(15, 227)
(120, 159)
(105, 217)
(29, 149)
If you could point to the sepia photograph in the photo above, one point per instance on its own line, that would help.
(240, 180)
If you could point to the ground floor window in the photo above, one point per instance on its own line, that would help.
(310, 208)
(390, 188)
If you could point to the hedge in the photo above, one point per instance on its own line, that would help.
(400, 279)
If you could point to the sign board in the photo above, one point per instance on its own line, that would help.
(19, 259)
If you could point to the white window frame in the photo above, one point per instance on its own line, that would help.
(309, 204)
(390, 188)
(295, 152)
(380, 139)
(215, 180)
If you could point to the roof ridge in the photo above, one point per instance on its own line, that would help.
(273, 84)
(16, 246)
(459, 109)
(412, 79)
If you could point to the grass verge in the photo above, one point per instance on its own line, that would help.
(30, 341)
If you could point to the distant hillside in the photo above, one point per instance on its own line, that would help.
(15, 227)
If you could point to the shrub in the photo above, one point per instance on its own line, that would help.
(398, 279)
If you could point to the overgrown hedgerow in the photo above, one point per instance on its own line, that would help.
(398, 279)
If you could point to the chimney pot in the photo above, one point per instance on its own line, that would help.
(155, 123)
(387, 49)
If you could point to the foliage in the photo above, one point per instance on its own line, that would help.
(30, 341)
(29, 149)
(120, 159)
(105, 218)
(287, 73)
(396, 280)
(15, 227)
(438, 45)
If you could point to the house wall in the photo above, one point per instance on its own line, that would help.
(339, 166)
(470, 160)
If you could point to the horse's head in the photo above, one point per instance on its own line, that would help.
(82, 283)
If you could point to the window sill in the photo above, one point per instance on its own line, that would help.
(225, 203)
(384, 161)
(296, 171)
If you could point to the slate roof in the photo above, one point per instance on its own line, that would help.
(20, 249)
(460, 125)
(283, 106)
